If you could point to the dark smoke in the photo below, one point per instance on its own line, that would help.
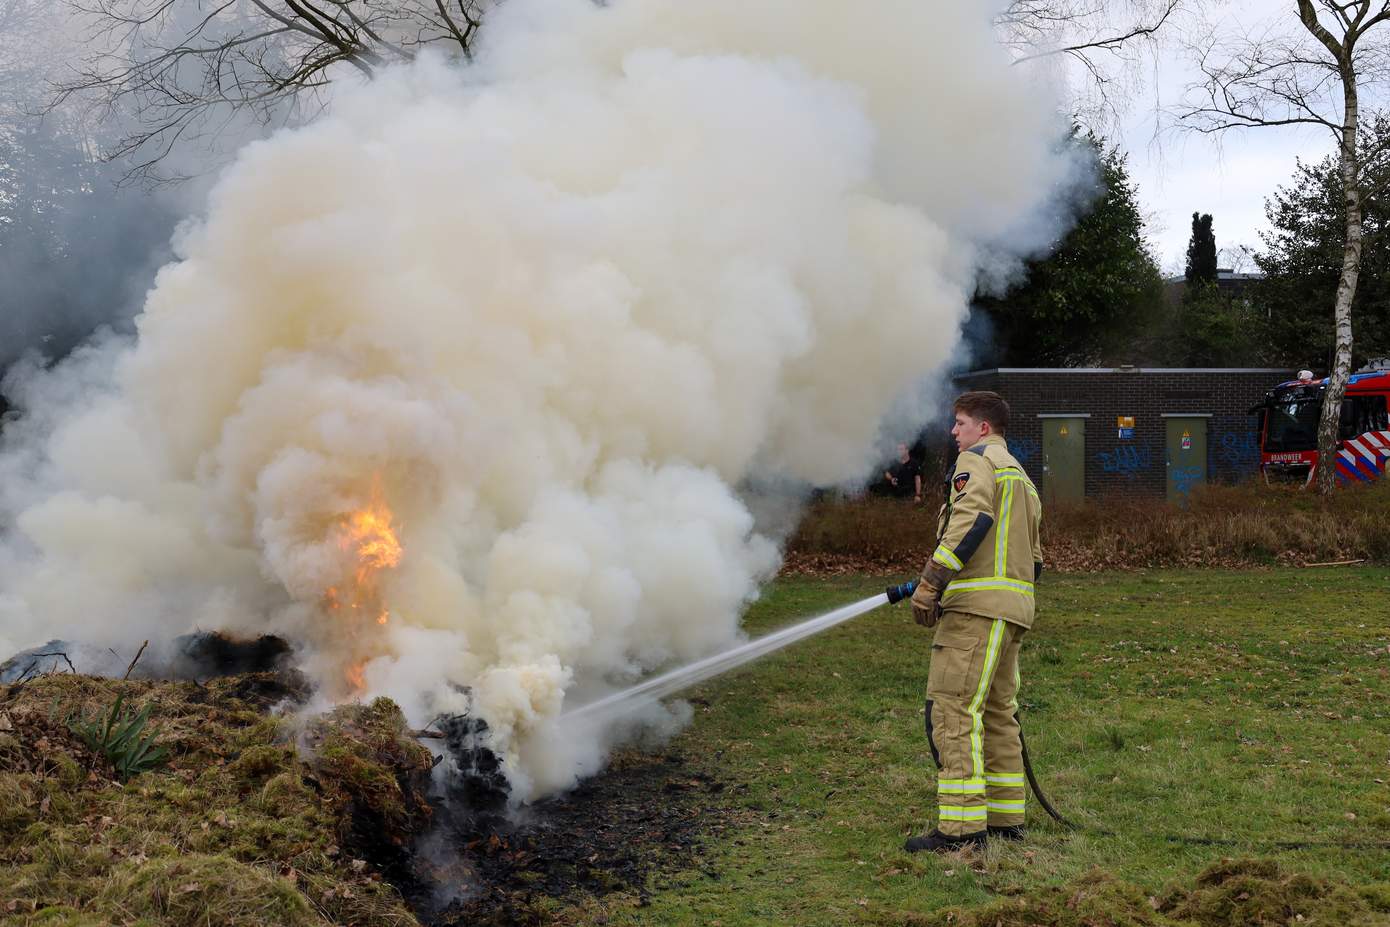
(77, 252)
(198, 656)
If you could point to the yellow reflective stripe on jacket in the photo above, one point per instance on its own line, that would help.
(1013, 476)
(998, 582)
(946, 558)
(960, 786)
(1001, 533)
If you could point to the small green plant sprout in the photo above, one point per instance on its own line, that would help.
(116, 735)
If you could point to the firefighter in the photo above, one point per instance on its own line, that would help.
(977, 592)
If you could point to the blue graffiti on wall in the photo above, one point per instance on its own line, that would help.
(1239, 450)
(1025, 450)
(1184, 478)
(1126, 460)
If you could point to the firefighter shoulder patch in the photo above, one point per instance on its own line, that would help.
(959, 481)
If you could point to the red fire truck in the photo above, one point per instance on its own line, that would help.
(1289, 427)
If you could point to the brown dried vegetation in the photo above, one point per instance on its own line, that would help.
(1222, 526)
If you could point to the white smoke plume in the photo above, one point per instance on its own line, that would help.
(536, 319)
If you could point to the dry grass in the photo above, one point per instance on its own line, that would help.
(254, 821)
(1227, 526)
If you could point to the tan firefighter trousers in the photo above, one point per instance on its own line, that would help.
(972, 702)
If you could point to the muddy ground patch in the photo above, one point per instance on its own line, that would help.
(609, 836)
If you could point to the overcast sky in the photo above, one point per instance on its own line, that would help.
(1179, 173)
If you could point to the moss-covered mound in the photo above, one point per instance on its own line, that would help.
(1231, 893)
(1257, 893)
(250, 822)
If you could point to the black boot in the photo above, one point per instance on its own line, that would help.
(1011, 832)
(937, 842)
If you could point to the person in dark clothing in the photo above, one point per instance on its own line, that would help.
(904, 477)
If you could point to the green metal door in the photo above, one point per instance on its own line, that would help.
(1064, 459)
(1187, 456)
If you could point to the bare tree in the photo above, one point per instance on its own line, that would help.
(175, 70)
(1108, 41)
(1312, 74)
(20, 22)
(1236, 258)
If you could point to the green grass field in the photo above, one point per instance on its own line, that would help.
(1251, 707)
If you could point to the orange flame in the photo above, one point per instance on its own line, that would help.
(368, 537)
(370, 532)
(356, 675)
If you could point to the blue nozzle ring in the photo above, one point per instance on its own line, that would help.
(901, 591)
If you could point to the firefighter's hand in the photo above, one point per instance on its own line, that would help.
(926, 605)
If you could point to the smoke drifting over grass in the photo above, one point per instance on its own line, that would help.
(549, 311)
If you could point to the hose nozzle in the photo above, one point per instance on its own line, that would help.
(901, 591)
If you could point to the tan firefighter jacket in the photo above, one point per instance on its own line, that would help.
(990, 554)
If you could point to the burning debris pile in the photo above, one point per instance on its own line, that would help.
(261, 816)
(475, 790)
(465, 384)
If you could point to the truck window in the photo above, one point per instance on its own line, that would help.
(1361, 414)
(1293, 425)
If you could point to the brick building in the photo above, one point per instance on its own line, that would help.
(1130, 430)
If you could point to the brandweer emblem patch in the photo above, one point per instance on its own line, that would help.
(960, 481)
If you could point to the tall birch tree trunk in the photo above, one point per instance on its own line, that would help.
(1329, 426)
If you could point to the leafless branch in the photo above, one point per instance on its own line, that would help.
(34, 662)
(1102, 42)
(182, 70)
(1105, 45)
(138, 654)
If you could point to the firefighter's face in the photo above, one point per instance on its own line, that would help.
(968, 431)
